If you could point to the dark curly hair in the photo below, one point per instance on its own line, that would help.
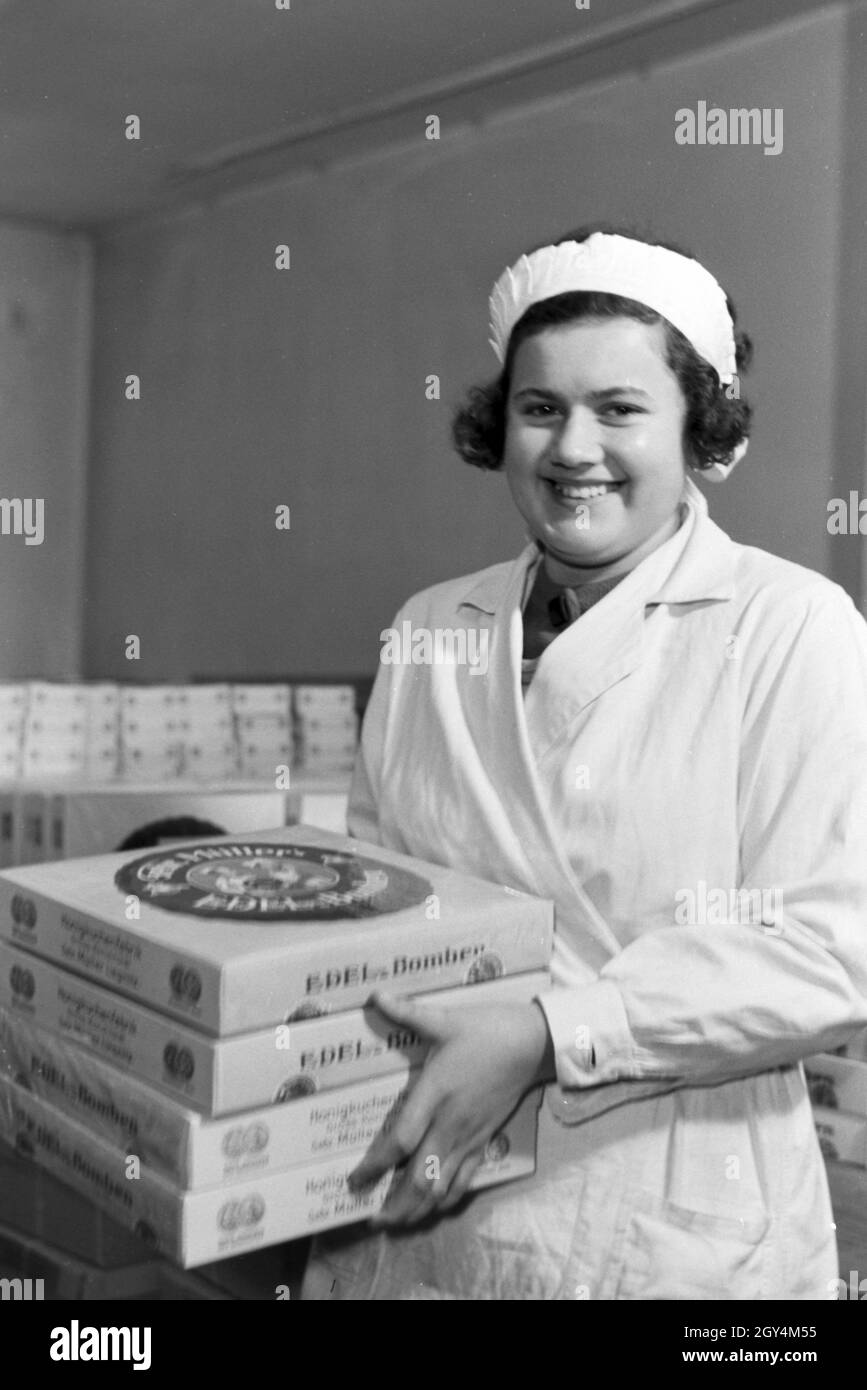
(714, 424)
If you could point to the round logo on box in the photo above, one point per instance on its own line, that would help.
(22, 982)
(23, 911)
(270, 882)
(248, 1211)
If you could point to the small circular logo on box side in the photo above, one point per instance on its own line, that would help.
(23, 911)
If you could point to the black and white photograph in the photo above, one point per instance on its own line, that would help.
(433, 668)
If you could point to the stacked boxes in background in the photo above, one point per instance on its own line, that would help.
(92, 737)
(13, 715)
(55, 731)
(263, 729)
(102, 730)
(102, 739)
(151, 732)
(208, 745)
(838, 1091)
(214, 1029)
(326, 728)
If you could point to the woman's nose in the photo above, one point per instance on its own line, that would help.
(579, 440)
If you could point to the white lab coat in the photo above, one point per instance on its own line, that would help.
(705, 723)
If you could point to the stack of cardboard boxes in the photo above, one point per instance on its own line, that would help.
(183, 1033)
(263, 728)
(75, 756)
(326, 728)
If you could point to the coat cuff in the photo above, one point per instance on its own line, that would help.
(590, 1033)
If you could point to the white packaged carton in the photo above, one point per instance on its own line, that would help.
(308, 698)
(208, 697)
(122, 1069)
(339, 725)
(215, 1223)
(56, 696)
(261, 699)
(326, 809)
(264, 726)
(164, 698)
(238, 934)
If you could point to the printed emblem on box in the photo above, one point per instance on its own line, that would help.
(246, 1212)
(23, 911)
(22, 981)
(270, 882)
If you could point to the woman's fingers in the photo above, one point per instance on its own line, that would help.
(423, 1019)
(461, 1184)
(410, 1200)
(398, 1142)
(424, 1186)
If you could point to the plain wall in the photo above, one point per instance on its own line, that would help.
(45, 306)
(306, 387)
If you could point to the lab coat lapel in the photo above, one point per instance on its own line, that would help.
(602, 647)
(502, 732)
(606, 644)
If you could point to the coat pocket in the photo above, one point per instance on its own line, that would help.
(670, 1252)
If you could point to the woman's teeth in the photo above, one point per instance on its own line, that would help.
(583, 492)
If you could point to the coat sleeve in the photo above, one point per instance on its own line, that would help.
(362, 816)
(690, 1005)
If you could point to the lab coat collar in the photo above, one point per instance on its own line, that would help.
(704, 570)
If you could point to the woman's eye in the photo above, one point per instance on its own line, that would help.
(621, 409)
(540, 409)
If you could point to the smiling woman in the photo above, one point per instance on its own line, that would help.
(665, 715)
(717, 421)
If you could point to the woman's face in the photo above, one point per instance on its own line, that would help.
(594, 450)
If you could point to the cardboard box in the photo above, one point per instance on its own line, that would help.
(335, 727)
(153, 765)
(328, 810)
(208, 697)
(261, 699)
(149, 697)
(264, 726)
(210, 762)
(266, 749)
(123, 1071)
(44, 760)
(215, 1223)
(842, 1137)
(322, 697)
(70, 727)
(238, 934)
(102, 764)
(56, 696)
(322, 748)
(837, 1083)
(13, 696)
(102, 696)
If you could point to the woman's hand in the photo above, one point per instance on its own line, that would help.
(482, 1060)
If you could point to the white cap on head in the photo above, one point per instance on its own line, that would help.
(675, 286)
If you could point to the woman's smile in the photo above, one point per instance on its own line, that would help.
(571, 492)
